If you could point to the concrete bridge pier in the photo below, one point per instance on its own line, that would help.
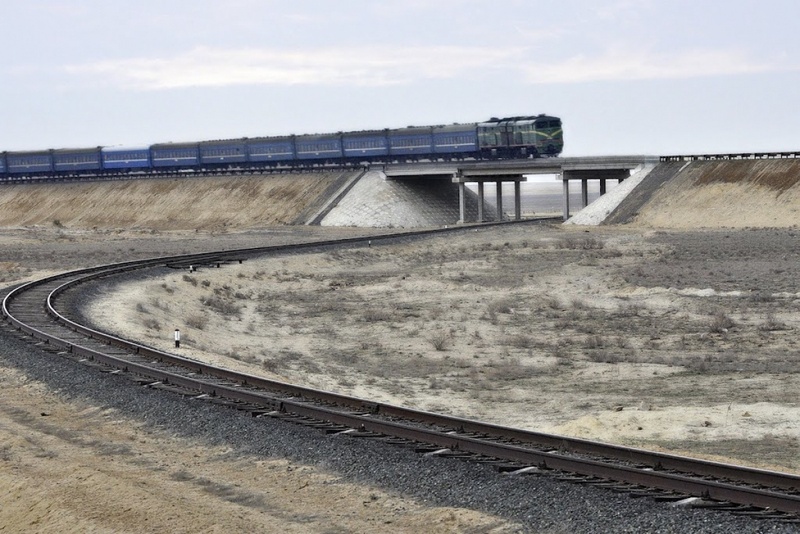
(480, 203)
(461, 180)
(498, 200)
(584, 176)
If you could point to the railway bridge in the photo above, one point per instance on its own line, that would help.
(580, 169)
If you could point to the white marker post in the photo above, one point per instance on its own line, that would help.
(177, 338)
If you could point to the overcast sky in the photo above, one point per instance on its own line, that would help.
(626, 76)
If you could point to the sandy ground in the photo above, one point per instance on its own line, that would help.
(76, 467)
(79, 468)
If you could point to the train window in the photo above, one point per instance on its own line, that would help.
(548, 124)
(274, 149)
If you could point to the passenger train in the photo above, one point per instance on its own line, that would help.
(508, 138)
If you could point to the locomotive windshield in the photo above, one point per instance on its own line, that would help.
(548, 123)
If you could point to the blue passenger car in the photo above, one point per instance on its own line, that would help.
(177, 155)
(223, 152)
(70, 160)
(411, 141)
(266, 149)
(365, 144)
(31, 162)
(455, 139)
(125, 158)
(318, 147)
(2, 163)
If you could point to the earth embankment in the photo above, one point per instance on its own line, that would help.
(231, 203)
(679, 195)
(715, 194)
(209, 203)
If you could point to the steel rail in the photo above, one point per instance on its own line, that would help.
(733, 156)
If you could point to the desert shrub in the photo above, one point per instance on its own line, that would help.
(190, 279)
(611, 253)
(771, 323)
(440, 340)
(197, 321)
(553, 303)
(586, 243)
(158, 304)
(377, 315)
(761, 296)
(343, 357)
(346, 383)
(436, 312)
(561, 353)
(151, 324)
(630, 309)
(578, 304)
(698, 365)
(594, 342)
(602, 356)
(501, 306)
(436, 383)
(521, 341)
(221, 306)
(270, 365)
(512, 370)
(720, 323)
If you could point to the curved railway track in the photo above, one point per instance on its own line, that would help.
(38, 310)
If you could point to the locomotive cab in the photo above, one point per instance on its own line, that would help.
(549, 138)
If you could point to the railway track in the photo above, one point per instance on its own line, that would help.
(39, 310)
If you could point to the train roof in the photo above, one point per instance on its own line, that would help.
(53, 151)
(77, 150)
(276, 139)
(461, 127)
(412, 130)
(318, 136)
(216, 142)
(521, 118)
(365, 133)
(176, 145)
(29, 152)
(125, 148)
